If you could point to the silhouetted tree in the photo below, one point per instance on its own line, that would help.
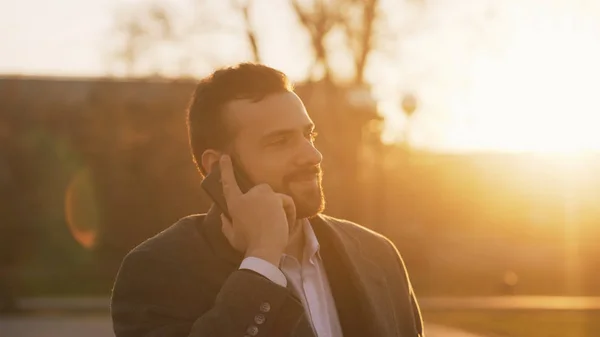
(360, 27)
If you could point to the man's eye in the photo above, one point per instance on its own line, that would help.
(279, 141)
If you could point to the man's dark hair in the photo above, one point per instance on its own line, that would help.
(207, 127)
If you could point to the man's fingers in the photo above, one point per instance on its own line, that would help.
(230, 186)
(227, 227)
(264, 188)
(288, 206)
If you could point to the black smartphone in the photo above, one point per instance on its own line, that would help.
(214, 187)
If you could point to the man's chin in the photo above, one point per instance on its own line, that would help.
(308, 198)
(309, 214)
(309, 208)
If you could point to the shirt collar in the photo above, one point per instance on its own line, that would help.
(311, 244)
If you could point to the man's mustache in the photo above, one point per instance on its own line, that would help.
(304, 173)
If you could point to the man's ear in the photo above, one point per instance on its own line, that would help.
(209, 158)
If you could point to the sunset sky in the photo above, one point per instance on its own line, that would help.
(507, 75)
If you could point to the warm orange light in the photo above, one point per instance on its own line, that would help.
(81, 210)
(538, 93)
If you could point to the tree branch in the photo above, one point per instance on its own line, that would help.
(250, 32)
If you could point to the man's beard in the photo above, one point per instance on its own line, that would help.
(308, 202)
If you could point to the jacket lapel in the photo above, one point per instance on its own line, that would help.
(364, 304)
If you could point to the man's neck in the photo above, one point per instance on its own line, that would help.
(296, 243)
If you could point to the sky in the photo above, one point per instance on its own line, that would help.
(500, 75)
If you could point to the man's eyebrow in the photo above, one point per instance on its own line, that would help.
(307, 128)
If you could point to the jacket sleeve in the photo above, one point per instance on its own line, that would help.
(148, 295)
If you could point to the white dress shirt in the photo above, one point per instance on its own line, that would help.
(308, 282)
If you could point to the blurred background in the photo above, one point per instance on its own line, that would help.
(465, 131)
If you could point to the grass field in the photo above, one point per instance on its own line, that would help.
(520, 323)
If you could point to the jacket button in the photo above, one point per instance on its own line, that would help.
(265, 307)
(259, 319)
(252, 330)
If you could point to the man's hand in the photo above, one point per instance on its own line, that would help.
(260, 217)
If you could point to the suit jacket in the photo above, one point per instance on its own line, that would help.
(185, 281)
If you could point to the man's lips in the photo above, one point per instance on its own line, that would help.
(310, 176)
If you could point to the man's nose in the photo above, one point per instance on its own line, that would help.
(309, 155)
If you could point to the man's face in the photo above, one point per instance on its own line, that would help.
(274, 144)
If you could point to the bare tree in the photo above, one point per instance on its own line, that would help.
(361, 24)
(318, 19)
(141, 33)
(360, 35)
(145, 28)
(244, 7)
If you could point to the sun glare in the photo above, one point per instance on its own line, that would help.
(539, 92)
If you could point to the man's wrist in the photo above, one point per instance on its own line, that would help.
(264, 268)
(272, 256)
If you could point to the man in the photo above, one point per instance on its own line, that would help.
(279, 268)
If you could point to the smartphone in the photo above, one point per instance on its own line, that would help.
(213, 186)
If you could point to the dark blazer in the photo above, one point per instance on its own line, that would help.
(185, 282)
